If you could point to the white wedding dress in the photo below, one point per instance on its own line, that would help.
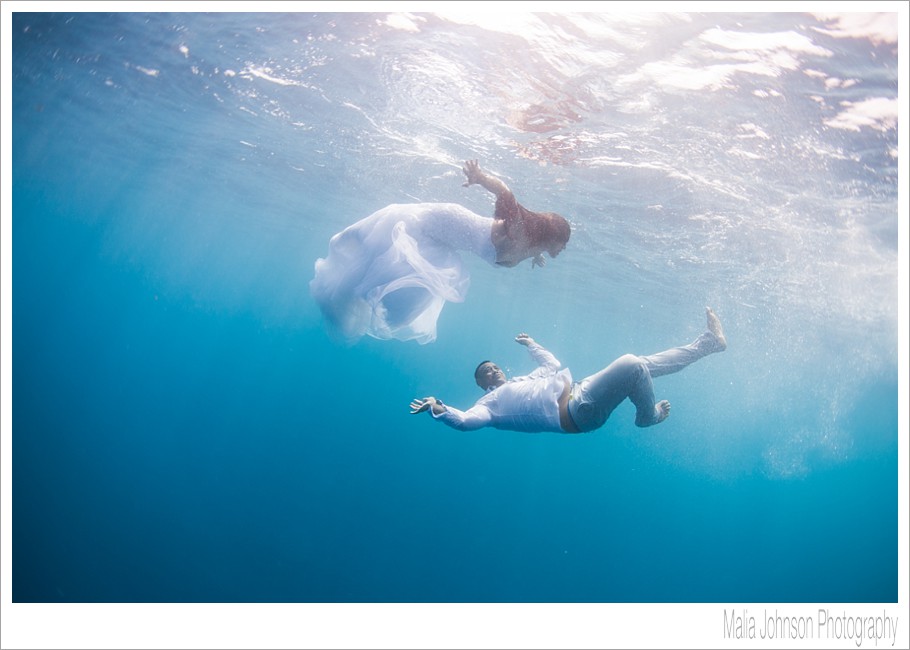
(390, 274)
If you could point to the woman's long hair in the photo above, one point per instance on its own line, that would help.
(546, 229)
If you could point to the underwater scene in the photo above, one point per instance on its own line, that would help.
(188, 426)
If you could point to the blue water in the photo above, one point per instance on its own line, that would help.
(186, 430)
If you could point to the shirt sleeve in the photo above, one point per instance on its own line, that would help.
(544, 358)
(475, 417)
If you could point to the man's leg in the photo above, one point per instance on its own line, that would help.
(675, 359)
(595, 398)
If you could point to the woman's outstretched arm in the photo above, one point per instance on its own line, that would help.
(476, 176)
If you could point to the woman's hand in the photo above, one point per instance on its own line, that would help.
(472, 170)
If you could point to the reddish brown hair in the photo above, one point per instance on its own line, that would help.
(546, 228)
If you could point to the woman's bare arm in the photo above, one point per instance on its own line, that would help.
(476, 176)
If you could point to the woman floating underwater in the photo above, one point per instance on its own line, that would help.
(390, 274)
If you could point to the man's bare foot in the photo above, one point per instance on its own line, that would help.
(715, 328)
(663, 410)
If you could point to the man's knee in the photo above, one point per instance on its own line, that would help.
(632, 365)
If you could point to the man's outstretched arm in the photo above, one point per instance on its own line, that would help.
(476, 417)
(542, 357)
(420, 405)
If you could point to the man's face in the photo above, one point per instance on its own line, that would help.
(489, 375)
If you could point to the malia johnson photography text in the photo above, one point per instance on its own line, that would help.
(826, 625)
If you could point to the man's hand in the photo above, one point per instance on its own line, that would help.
(524, 339)
(472, 170)
(421, 405)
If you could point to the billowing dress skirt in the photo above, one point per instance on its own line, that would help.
(389, 275)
